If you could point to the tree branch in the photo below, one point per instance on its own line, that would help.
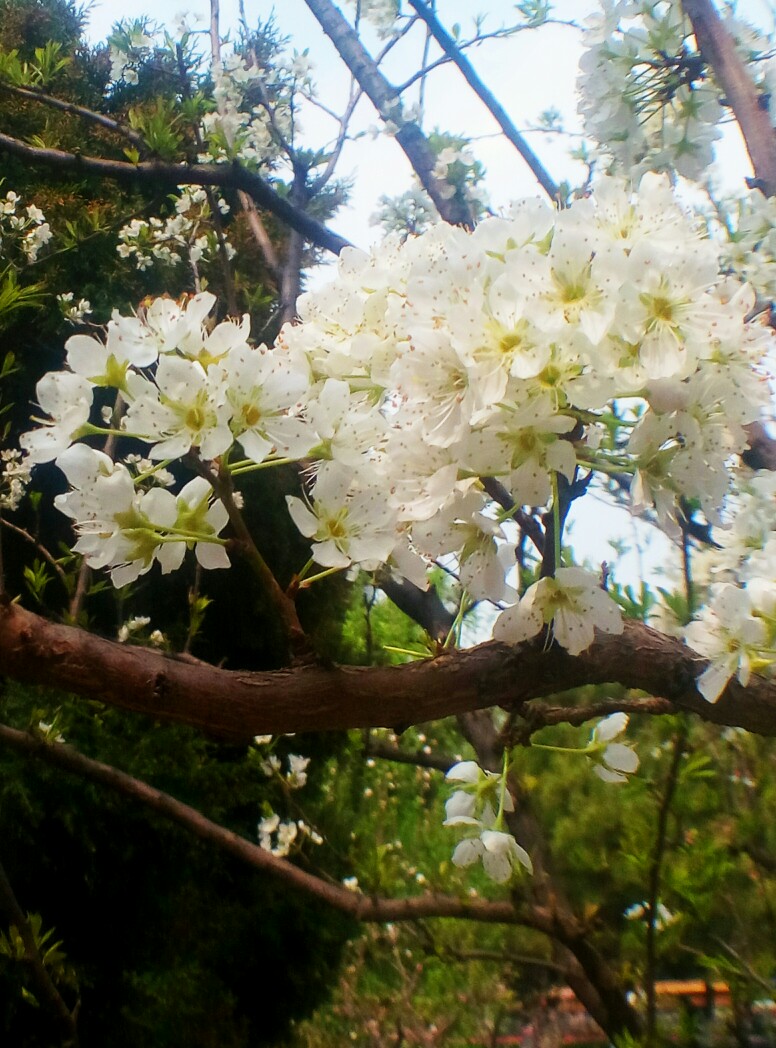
(543, 716)
(750, 110)
(92, 117)
(43, 982)
(386, 752)
(153, 172)
(489, 100)
(384, 97)
(361, 907)
(239, 704)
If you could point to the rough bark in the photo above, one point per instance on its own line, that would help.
(235, 704)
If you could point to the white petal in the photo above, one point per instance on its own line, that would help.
(621, 758)
(610, 727)
(464, 771)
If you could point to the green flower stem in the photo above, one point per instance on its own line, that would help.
(606, 418)
(556, 522)
(622, 465)
(321, 575)
(303, 573)
(150, 472)
(564, 749)
(407, 651)
(499, 823)
(88, 430)
(176, 534)
(239, 469)
(463, 607)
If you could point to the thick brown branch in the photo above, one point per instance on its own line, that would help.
(154, 172)
(235, 704)
(751, 112)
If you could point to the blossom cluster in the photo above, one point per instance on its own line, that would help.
(124, 528)
(187, 233)
(646, 94)
(253, 107)
(14, 478)
(129, 45)
(382, 14)
(751, 248)
(598, 338)
(296, 776)
(23, 230)
(479, 802)
(736, 630)
(279, 836)
(72, 311)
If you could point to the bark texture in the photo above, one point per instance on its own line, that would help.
(237, 705)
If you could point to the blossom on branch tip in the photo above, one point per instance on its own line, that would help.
(126, 530)
(499, 851)
(617, 760)
(572, 602)
(736, 631)
(347, 526)
(478, 805)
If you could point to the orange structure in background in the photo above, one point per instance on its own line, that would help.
(561, 1014)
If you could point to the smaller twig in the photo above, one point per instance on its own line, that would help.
(384, 751)
(221, 483)
(476, 41)
(260, 234)
(38, 546)
(746, 967)
(489, 100)
(528, 524)
(86, 114)
(45, 986)
(336, 152)
(505, 957)
(541, 716)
